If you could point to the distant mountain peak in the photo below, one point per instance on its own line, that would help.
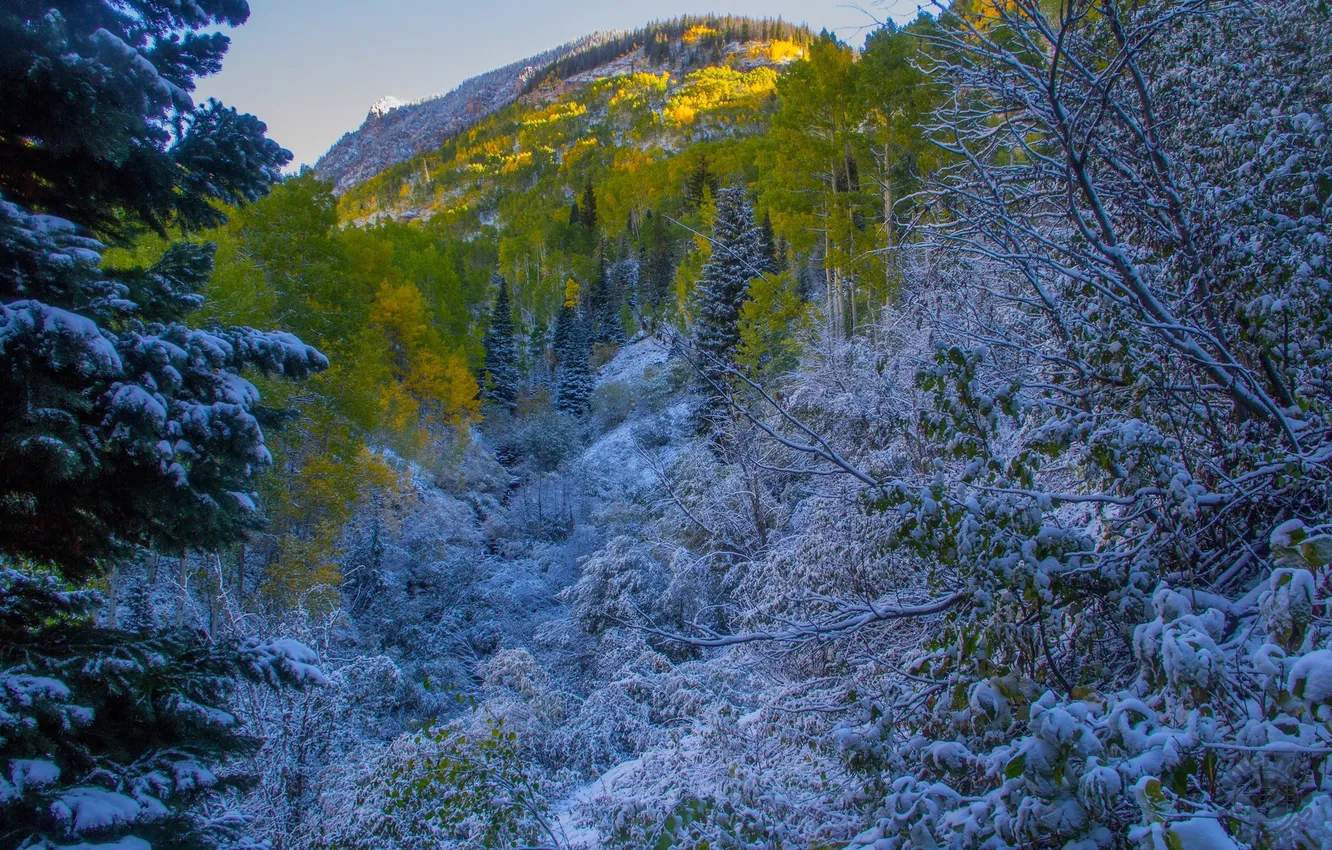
(384, 106)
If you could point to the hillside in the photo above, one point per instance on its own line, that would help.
(706, 437)
(394, 132)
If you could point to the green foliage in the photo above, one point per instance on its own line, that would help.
(773, 322)
(444, 785)
(109, 733)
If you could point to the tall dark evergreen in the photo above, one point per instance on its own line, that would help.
(562, 339)
(502, 373)
(736, 259)
(700, 183)
(624, 281)
(768, 246)
(605, 303)
(575, 382)
(659, 266)
(120, 424)
(588, 214)
(111, 736)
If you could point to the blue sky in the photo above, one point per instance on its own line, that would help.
(311, 68)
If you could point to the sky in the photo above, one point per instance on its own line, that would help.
(311, 68)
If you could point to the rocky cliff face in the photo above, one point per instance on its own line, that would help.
(395, 131)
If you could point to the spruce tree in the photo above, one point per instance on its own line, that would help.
(120, 424)
(736, 259)
(588, 215)
(501, 385)
(605, 302)
(111, 736)
(659, 268)
(575, 382)
(768, 246)
(701, 182)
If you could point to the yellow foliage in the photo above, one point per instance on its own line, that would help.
(716, 88)
(695, 33)
(632, 89)
(308, 508)
(515, 162)
(680, 113)
(579, 148)
(783, 50)
(556, 112)
(571, 292)
(429, 384)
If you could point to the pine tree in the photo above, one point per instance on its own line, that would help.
(588, 215)
(659, 268)
(768, 246)
(502, 376)
(122, 425)
(575, 382)
(607, 298)
(735, 260)
(565, 321)
(624, 276)
(701, 181)
(110, 734)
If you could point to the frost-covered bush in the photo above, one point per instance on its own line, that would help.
(441, 787)
(115, 736)
(611, 404)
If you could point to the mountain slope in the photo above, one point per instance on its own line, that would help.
(394, 132)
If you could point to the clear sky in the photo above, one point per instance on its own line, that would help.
(311, 68)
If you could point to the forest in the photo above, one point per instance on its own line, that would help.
(737, 440)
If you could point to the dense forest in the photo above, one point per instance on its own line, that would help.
(740, 439)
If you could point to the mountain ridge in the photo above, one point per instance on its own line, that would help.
(395, 131)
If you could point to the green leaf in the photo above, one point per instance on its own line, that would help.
(1015, 767)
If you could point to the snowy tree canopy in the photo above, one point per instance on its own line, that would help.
(123, 425)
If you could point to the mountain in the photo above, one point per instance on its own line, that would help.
(394, 131)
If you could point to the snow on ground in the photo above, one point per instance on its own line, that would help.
(632, 361)
(566, 820)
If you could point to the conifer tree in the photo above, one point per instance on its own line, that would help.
(701, 181)
(588, 214)
(575, 382)
(768, 246)
(122, 425)
(501, 350)
(736, 259)
(565, 321)
(113, 737)
(606, 299)
(659, 268)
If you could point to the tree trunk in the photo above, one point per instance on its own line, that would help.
(183, 591)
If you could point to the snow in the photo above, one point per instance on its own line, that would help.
(631, 362)
(85, 809)
(1198, 834)
(283, 658)
(384, 106)
(570, 825)
(1311, 678)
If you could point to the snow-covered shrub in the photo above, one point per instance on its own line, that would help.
(439, 787)
(611, 404)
